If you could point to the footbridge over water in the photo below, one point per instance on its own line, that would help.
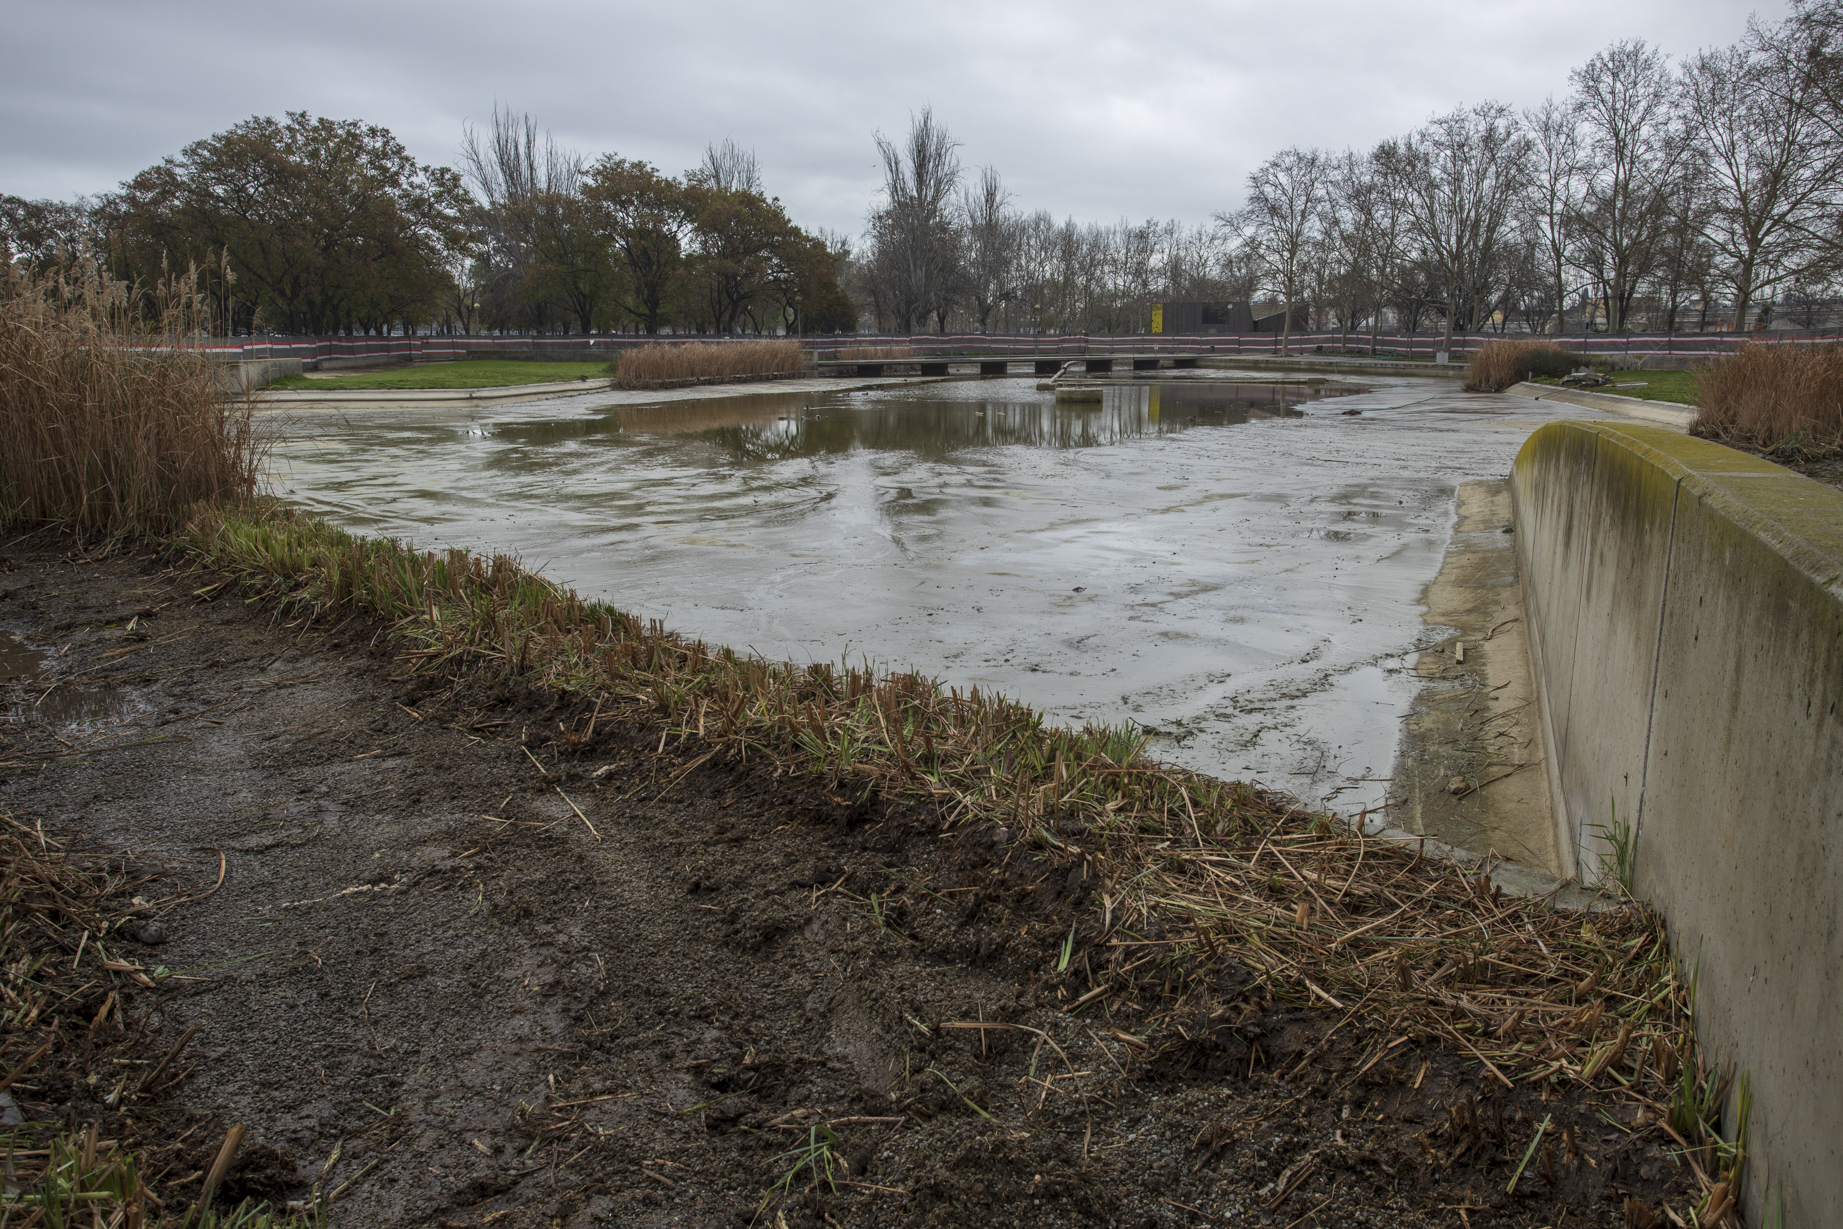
(1037, 364)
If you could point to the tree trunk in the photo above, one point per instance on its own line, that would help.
(1286, 322)
(1742, 299)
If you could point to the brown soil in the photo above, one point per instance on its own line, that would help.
(424, 978)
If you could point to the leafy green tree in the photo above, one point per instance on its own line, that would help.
(45, 236)
(737, 238)
(322, 224)
(804, 285)
(644, 217)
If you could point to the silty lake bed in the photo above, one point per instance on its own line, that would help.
(1236, 564)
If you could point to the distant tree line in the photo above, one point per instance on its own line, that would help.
(1650, 197)
(1708, 194)
(1705, 195)
(321, 226)
(944, 252)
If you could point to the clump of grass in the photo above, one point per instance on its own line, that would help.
(1775, 398)
(1622, 843)
(113, 422)
(656, 366)
(1497, 364)
(814, 1162)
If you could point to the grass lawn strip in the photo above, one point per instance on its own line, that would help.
(1676, 387)
(470, 373)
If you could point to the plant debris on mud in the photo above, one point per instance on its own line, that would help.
(493, 946)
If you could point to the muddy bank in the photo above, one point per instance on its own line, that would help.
(1470, 771)
(481, 955)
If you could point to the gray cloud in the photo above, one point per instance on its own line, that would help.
(1093, 110)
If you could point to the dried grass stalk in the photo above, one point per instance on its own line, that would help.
(1775, 397)
(113, 422)
(656, 365)
(1498, 364)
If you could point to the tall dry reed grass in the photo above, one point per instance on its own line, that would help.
(1498, 364)
(652, 366)
(1778, 398)
(112, 423)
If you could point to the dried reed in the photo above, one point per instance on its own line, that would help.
(112, 423)
(1195, 872)
(1497, 364)
(1784, 398)
(68, 1022)
(691, 362)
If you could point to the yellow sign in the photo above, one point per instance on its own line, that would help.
(1158, 317)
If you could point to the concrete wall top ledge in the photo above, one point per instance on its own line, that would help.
(1799, 517)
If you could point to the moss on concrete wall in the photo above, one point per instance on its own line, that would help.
(1686, 603)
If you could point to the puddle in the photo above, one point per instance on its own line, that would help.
(29, 695)
(1238, 563)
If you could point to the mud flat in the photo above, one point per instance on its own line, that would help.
(487, 955)
(1470, 771)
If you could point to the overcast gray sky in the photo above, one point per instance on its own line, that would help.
(1094, 110)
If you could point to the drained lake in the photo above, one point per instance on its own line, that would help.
(1233, 563)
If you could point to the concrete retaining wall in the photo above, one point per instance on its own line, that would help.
(1686, 610)
(252, 374)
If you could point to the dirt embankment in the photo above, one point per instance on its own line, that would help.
(480, 956)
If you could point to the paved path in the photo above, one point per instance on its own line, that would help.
(1661, 412)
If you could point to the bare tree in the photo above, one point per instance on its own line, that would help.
(1365, 223)
(1767, 157)
(1634, 149)
(992, 236)
(1557, 172)
(537, 248)
(729, 168)
(1286, 200)
(914, 233)
(1460, 177)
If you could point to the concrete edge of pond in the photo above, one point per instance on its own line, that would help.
(1660, 412)
(1685, 602)
(431, 396)
(1513, 878)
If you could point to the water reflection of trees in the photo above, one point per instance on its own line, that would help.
(779, 428)
(936, 430)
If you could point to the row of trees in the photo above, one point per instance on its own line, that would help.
(947, 250)
(1666, 198)
(313, 225)
(1648, 197)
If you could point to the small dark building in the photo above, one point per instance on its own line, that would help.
(1194, 318)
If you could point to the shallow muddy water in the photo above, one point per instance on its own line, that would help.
(1235, 564)
(25, 695)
